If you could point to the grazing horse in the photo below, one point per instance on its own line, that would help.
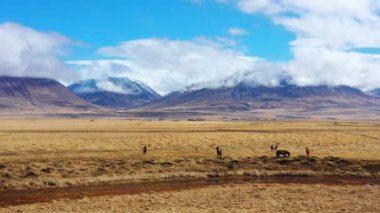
(307, 151)
(145, 150)
(273, 147)
(219, 151)
(283, 153)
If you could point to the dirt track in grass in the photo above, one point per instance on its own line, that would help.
(21, 197)
(86, 171)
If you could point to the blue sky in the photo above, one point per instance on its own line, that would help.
(171, 44)
(101, 23)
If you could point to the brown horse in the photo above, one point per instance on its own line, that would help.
(219, 151)
(307, 151)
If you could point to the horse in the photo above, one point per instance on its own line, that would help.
(283, 153)
(274, 147)
(307, 151)
(218, 151)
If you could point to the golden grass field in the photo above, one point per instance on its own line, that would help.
(48, 153)
(36, 138)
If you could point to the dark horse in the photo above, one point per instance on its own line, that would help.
(219, 151)
(145, 150)
(282, 153)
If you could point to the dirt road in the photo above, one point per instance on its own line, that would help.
(20, 197)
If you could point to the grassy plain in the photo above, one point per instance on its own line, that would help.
(36, 138)
(40, 153)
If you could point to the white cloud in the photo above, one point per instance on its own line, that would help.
(262, 6)
(339, 24)
(109, 86)
(321, 65)
(235, 31)
(328, 34)
(169, 65)
(262, 73)
(28, 52)
(103, 68)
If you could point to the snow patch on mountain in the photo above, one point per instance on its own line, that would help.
(116, 85)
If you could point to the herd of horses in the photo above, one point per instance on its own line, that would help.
(273, 147)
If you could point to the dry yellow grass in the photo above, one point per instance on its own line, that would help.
(227, 198)
(110, 138)
(38, 153)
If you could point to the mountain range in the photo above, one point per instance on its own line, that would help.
(135, 98)
(245, 97)
(119, 93)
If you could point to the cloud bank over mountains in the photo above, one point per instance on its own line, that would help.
(328, 36)
(169, 65)
(327, 50)
(28, 52)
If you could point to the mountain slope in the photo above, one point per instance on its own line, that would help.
(114, 92)
(38, 94)
(376, 92)
(285, 98)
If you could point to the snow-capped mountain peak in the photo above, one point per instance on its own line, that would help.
(114, 92)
